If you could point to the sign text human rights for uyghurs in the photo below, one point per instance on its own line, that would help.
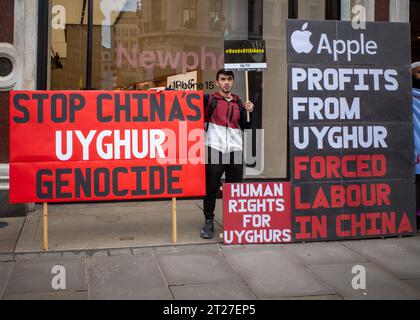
(256, 213)
(351, 130)
(105, 145)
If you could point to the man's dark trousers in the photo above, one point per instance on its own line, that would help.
(218, 163)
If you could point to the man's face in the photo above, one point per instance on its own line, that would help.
(416, 73)
(225, 83)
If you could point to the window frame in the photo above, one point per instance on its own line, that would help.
(332, 11)
(191, 11)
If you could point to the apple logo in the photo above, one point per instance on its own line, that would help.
(300, 40)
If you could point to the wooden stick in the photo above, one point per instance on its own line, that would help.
(174, 228)
(247, 94)
(45, 228)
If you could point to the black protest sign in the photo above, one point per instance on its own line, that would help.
(245, 55)
(332, 42)
(349, 93)
(352, 210)
(351, 131)
(351, 151)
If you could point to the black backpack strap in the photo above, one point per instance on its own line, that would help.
(210, 103)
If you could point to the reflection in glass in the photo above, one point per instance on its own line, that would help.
(68, 44)
(142, 43)
(138, 44)
(311, 9)
(190, 14)
(348, 5)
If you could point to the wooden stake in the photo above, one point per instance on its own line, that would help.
(174, 228)
(247, 94)
(45, 228)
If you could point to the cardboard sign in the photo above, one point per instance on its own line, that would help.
(104, 145)
(245, 55)
(256, 213)
(351, 131)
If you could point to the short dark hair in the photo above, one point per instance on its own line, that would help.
(225, 73)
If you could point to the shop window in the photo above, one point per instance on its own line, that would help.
(216, 15)
(190, 14)
(415, 29)
(348, 5)
(68, 45)
(157, 23)
(138, 44)
(311, 9)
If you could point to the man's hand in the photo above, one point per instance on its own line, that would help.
(249, 106)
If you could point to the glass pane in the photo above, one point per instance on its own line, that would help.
(68, 44)
(347, 5)
(415, 30)
(311, 9)
(138, 44)
(141, 44)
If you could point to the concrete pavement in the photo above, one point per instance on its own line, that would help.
(214, 271)
(114, 225)
(124, 251)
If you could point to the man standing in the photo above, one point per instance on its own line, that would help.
(226, 118)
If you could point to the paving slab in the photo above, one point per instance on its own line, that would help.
(323, 253)
(415, 283)
(390, 255)
(274, 273)
(142, 251)
(26, 256)
(77, 295)
(126, 278)
(50, 255)
(86, 254)
(8, 246)
(35, 276)
(10, 227)
(410, 243)
(196, 268)
(219, 291)
(114, 225)
(380, 284)
(120, 252)
(233, 247)
(5, 270)
(325, 297)
(197, 248)
(7, 257)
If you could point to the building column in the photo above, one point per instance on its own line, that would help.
(399, 10)
(19, 28)
(382, 10)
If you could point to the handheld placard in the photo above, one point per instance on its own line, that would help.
(245, 55)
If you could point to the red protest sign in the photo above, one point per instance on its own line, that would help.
(256, 213)
(104, 145)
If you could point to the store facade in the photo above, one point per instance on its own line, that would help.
(138, 44)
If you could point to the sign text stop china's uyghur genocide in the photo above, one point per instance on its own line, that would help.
(100, 145)
(351, 132)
